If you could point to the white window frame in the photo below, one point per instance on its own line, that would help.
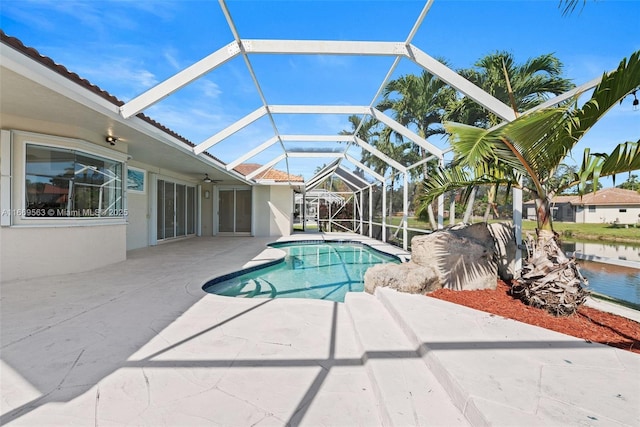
(154, 225)
(22, 139)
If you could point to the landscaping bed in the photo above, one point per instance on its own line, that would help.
(589, 324)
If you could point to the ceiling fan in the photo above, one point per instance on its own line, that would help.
(208, 180)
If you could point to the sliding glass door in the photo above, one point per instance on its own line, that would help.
(234, 211)
(176, 207)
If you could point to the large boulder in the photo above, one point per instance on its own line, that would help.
(462, 257)
(407, 277)
(505, 240)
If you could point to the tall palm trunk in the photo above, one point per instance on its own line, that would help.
(469, 212)
(549, 279)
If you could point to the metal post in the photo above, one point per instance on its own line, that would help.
(353, 221)
(440, 211)
(441, 205)
(384, 217)
(361, 212)
(517, 223)
(371, 211)
(304, 210)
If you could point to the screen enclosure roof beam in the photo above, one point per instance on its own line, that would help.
(454, 79)
(179, 80)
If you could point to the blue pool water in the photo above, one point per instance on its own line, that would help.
(326, 270)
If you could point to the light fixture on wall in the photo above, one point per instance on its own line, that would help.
(111, 140)
(207, 194)
(206, 178)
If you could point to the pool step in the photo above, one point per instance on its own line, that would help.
(408, 393)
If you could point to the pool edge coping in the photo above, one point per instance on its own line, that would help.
(265, 259)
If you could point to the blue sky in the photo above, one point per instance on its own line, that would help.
(126, 47)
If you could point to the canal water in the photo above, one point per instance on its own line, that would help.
(617, 281)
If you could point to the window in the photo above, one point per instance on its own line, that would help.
(68, 183)
(592, 208)
(622, 210)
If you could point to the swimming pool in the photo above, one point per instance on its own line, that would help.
(319, 270)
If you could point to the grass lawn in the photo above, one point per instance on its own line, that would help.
(568, 230)
(591, 231)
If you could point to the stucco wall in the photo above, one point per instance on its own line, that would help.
(281, 211)
(261, 222)
(207, 209)
(610, 214)
(138, 220)
(28, 252)
(273, 210)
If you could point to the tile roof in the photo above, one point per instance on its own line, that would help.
(64, 72)
(610, 196)
(607, 196)
(274, 174)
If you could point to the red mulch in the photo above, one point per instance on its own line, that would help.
(589, 324)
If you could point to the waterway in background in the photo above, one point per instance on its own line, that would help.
(623, 251)
(620, 282)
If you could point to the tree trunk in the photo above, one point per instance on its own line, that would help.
(452, 209)
(432, 218)
(469, 212)
(491, 197)
(549, 279)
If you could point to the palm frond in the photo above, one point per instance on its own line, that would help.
(624, 158)
(455, 177)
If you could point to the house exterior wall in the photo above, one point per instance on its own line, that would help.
(138, 213)
(137, 221)
(206, 210)
(590, 214)
(261, 220)
(43, 246)
(273, 210)
(281, 211)
(46, 251)
(622, 214)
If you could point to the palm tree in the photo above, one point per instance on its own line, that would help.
(533, 146)
(523, 86)
(399, 150)
(419, 102)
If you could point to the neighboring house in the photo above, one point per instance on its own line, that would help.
(609, 205)
(80, 185)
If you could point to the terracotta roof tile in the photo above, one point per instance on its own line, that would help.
(274, 174)
(610, 196)
(606, 196)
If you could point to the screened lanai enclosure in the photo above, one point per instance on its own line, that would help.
(367, 173)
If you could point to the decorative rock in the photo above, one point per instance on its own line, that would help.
(462, 257)
(408, 277)
(504, 235)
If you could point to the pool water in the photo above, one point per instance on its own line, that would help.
(326, 270)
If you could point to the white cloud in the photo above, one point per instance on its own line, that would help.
(210, 89)
(170, 55)
(121, 76)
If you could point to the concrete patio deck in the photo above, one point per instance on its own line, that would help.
(139, 343)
